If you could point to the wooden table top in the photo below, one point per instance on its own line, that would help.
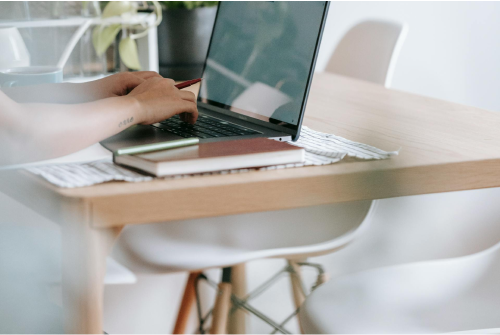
(444, 147)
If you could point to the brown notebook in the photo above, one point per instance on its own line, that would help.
(215, 156)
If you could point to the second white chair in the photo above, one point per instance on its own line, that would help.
(458, 294)
(369, 51)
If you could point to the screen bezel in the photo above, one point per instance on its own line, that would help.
(291, 129)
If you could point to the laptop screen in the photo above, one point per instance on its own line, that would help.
(261, 58)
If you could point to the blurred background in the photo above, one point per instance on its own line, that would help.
(451, 53)
(47, 28)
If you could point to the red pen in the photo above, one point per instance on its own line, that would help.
(188, 83)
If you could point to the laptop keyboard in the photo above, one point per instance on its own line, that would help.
(205, 127)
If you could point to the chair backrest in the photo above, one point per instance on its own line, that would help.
(446, 295)
(369, 51)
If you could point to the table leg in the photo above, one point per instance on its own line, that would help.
(84, 251)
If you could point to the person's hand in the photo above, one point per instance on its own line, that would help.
(159, 99)
(116, 85)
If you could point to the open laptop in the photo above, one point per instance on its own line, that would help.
(256, 78)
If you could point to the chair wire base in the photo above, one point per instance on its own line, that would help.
(243, 303)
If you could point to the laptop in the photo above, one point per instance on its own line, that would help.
(256, 77)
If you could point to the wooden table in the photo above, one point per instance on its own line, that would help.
(444, 147)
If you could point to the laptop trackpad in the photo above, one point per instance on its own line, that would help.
(137, 135)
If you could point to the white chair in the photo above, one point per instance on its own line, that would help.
(231, 241)
(369, 51)
(448, 225)
(433, 296)
(452, 295)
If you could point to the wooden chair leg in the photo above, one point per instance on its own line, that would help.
(297, 289)
(221, 309)
(222, 304)
(186, 304)
(237, 320)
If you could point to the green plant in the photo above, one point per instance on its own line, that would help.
(122, 16)
(187, 4)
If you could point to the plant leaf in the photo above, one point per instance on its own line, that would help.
(103, 37)
(117, 8)
(129, 54)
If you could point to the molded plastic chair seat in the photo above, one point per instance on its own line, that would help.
(459, 294)
(225, 241)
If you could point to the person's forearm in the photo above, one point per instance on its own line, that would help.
(43, 131)
(37, 131)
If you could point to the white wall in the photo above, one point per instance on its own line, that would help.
(452, 51)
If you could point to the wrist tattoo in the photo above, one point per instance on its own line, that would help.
(125, 122)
